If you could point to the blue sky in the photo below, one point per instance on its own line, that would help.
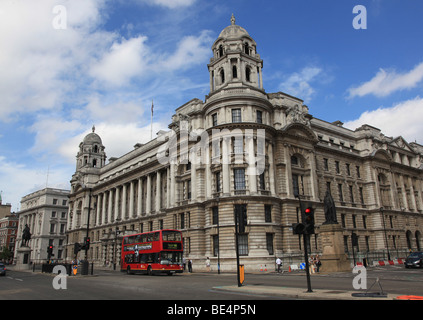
(104, 62)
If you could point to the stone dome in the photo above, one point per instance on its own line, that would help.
(92, 138)
(233, 31)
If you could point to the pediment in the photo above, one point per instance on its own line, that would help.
(401, 143)
(300, 131)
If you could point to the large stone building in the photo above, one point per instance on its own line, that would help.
(245, 149)
(45, 212)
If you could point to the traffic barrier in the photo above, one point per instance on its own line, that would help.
(293, 267)
(410, 298)
(382, 263)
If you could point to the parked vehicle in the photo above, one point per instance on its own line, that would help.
(414, 260)
(2, 269)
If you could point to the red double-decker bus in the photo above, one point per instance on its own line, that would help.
(152, 252)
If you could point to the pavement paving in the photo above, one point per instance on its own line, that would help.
(301, 293)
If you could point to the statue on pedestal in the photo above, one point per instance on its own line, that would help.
(26, 235)
(330, 210)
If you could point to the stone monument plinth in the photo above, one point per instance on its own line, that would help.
(333, 257)
(23, 255)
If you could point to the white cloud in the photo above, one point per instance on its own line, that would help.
(27, 179)
(386, 82)
(39, 64)
(299, 83)
(191, 51)
(403, 119)
(171, 4)
(125, 59)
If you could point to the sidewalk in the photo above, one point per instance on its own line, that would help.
(301, 293)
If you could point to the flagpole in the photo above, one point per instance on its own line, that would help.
(151, 129)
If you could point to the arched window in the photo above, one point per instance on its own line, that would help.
(220, 51)
(248, 74)
(222, 76)
(246, 48)
(234, 72)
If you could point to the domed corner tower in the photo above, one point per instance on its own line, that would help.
(235, 60)
(91, 152)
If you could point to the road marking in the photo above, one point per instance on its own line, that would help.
(14, 279)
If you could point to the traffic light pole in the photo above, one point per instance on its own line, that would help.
(307, 266)
(237, 249)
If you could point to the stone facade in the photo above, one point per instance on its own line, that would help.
(45, 212)
(245, 148)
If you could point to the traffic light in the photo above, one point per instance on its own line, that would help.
(77, 247)
(309, 220)
(241, 217)
(49, 252)
(86, 243)
(298, 228)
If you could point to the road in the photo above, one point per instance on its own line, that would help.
(109, 285)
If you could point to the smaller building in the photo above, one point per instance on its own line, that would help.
(45, 212)
(8, 229)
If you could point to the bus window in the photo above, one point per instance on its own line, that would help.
(171, 236)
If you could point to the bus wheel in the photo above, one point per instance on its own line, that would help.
(149, 271)
(128, 270)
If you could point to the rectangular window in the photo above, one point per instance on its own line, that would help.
(217, 178)
(269, 243)
(236, 115)
(238, 145)
(215, 245)
(259, 116)
(214, 119)
(341, 196)
(267, 213)
(262, 183)
(215, 212)
(239, 176)
(243, 244)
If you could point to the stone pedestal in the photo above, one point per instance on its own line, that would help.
(333, 257)
(23, 256)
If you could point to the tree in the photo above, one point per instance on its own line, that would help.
(5, 254)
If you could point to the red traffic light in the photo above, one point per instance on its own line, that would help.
(308, 210)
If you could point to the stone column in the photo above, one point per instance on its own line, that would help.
(116, 213)
(271, 170)
(131, 199)
(158, 191)
(148, 200)
(99, 200)
(139, 204)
